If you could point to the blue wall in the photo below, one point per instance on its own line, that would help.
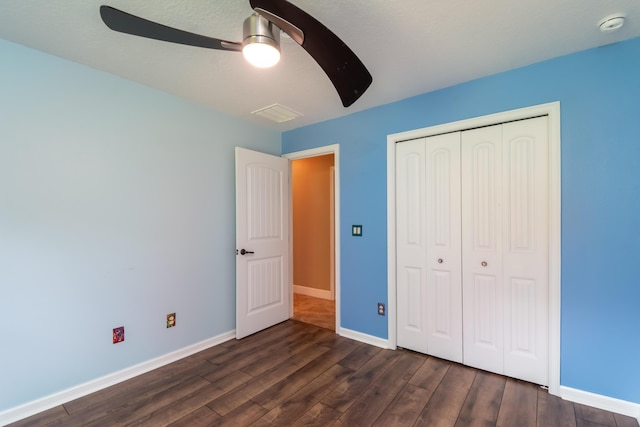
(599, 92)
(117, 207)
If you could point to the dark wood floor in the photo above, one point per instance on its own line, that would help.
(295, 374)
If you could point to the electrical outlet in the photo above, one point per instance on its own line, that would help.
(118, 334)
(171, 320)
(381, 309)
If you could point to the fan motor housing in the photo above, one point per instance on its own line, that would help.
(258, 29)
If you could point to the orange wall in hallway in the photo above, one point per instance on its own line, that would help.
(311, 221)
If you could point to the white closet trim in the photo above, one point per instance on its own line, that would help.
(552, 110)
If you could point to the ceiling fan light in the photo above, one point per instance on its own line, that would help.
(261, 42)
(261, 55)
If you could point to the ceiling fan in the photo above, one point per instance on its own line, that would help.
(261, 36)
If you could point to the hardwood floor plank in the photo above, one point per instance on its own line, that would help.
(281, 354)
(358, 358)
(176, 410)
(273, 333)
(519, 404)
(446, 402)
(243, 415)
(330, 339)
(240, 395)
(625, 421)
(280, 336)
(272, 352)
(430, 373)
(593, 415)
(554, 411)
(130, 406)
(145, 385)
(106, 402)
(405, 408)
(129, 414)
(286, 413)
(483, 401)
(583, 423)
(201, 417)
(368, 407)
(290, 385)
(350, 390)
(319, 415)
(54, 414)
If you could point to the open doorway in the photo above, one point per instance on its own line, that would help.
(313, 229)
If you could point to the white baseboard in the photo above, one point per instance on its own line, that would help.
(365, 338)
(601, 402)
(312, 292)
(31, 408)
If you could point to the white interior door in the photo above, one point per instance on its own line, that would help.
(526, 250)
(482, 248)
(262, 241)
(428, 245)
(411, 246)
(444, 277)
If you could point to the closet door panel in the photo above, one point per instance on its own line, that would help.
(444, 287)
(481, 161)
(411, 246)
(525, 255)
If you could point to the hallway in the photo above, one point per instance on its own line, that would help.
(315, 311)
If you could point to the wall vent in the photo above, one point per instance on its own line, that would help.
(277, 113)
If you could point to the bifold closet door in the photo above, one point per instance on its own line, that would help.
(429, 290)
(505, 248)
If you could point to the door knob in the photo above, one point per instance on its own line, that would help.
(439, 260)
(483, 263)
(244, 252)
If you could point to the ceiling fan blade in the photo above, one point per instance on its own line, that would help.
(347, 73)
(124, 22)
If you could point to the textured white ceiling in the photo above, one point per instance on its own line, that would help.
(409, 46)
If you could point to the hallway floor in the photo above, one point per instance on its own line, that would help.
(315, 311)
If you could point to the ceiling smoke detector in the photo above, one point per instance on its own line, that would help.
(611, 23)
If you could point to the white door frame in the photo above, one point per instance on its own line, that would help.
(314, 152)
(552, 110)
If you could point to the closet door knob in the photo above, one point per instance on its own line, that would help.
(483, 263)
(439, 260)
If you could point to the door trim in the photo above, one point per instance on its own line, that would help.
(552, 111)
(314, 152)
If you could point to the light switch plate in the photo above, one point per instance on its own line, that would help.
(356, 230)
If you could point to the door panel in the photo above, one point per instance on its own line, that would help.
(482, 247)
(262, 274)
(526, 243)
(428, 246)
(411, 246)
(443, 236)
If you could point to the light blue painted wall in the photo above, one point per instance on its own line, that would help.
(117, 207)
(599, 91)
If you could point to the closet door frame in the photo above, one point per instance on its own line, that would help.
(552, 111)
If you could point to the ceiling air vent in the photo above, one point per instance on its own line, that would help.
(277, 113)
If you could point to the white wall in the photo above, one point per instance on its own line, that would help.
(116, 208)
